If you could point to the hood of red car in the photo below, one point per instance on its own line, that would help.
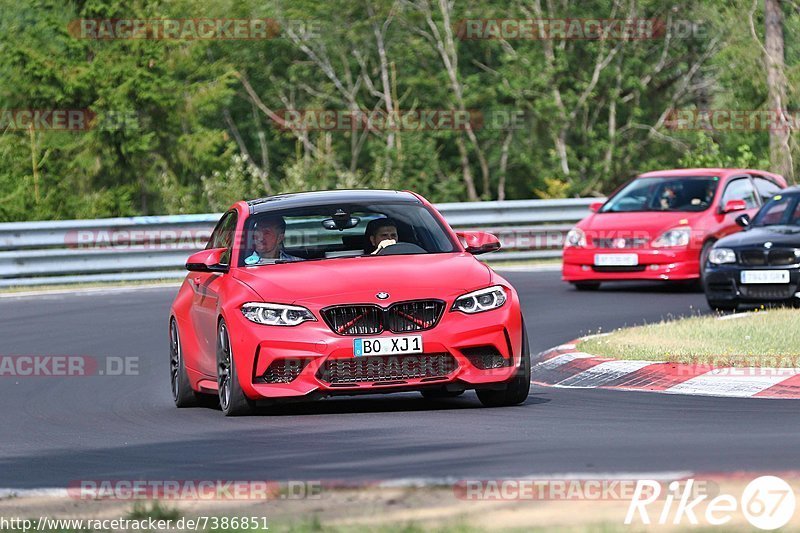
(359, 279)
(642, 224)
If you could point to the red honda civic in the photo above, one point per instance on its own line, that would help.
(307, 295)
(662, 225)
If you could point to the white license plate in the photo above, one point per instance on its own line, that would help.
(387, 345)
(765, 276)
(616, 260)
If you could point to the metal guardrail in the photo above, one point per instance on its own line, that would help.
(156, 247)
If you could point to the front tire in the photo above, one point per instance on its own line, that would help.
(704, 253)
(517, 390)
(232, 399)
(182, 393)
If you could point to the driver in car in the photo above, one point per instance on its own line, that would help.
(669, 198)
(268, 235)
(380, 233)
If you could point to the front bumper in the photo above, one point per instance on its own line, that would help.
(654, 264)
(312, 360)
(723, 284)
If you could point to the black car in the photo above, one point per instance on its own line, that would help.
(760, 264)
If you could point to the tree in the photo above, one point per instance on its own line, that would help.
(780, 152)
(204, 120)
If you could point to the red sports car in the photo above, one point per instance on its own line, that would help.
(302, 296)
(662, 225)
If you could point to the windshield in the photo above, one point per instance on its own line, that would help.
(781, 210)
(664, 194)
(342, 230)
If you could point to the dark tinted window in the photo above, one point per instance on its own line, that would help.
(766, 189)
(664, 194)
(782, 209)
(310, 235)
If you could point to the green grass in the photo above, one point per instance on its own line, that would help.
(155, 510)
(764, 338)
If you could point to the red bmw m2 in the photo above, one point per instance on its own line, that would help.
(308, 295)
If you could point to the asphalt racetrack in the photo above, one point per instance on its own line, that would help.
(57, 430)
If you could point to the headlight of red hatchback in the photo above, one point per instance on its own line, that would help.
(674, 238)
(575, 238)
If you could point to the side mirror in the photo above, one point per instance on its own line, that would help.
(743, 220)
(594, 207)
(207, 261)
(478, 242)
(734, 205)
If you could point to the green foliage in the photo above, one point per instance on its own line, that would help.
(187, 125)
(553, 188)
(706, 153)
(240, 180)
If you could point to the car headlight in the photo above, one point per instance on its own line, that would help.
(674, 238)
(720, 256)
(480, 301)
(276, 314)
(576, 238)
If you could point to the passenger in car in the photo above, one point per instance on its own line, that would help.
(268, 235)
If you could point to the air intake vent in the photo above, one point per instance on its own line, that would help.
(390, 368)
(620, 243)
(284, 370)
(754, 257)
(369, 319)
(768, 292)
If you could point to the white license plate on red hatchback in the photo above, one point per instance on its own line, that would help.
(387, 345)
(756, 277)
(616, 260)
